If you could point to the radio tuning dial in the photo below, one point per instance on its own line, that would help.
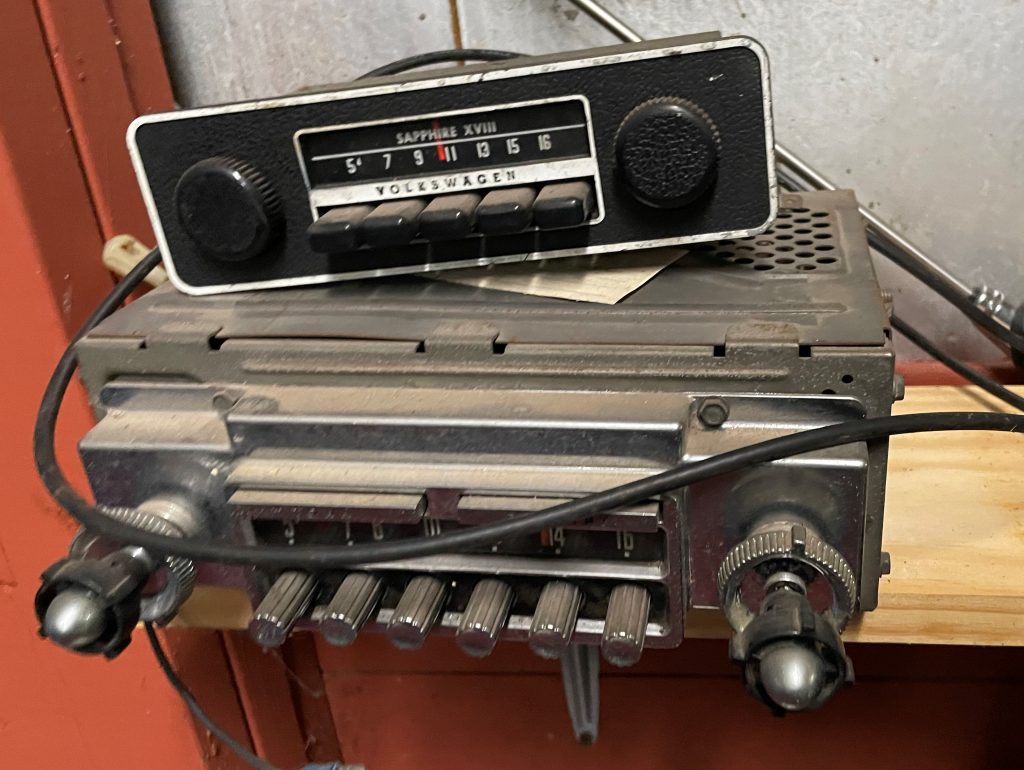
(667, 152)
(228, 208)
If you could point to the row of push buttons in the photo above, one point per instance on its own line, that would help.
(448, 217)
(485, 616)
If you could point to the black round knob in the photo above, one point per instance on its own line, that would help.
(667, 152)
(228, 208)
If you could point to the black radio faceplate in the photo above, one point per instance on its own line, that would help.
(655, 144)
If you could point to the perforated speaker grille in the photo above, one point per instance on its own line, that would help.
(801, 240)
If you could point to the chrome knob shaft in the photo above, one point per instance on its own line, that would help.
(554, 619)
(284, 604)
(625, 625)
(485, 615)
(350, 607)
(416, 613)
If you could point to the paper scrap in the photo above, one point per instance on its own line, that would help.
(601, 278)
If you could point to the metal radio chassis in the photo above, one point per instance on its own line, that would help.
(404, 406)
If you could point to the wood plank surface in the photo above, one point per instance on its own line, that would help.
(954, 525)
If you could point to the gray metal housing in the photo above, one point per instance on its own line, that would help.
(410, 405)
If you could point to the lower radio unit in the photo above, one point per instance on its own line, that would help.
(403, 407)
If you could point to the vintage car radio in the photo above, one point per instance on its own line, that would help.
(604, 150)
(407, 406)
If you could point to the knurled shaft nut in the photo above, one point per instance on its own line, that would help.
(170, 519)
(798, 543)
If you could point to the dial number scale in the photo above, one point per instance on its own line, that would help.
(562, 542)
(449, 152)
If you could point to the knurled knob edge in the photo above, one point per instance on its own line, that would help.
(780, 544)
(716, 135)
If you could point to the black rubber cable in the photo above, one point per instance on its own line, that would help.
(186, 695)
(440, 57)
(323, 557)
(945, 289)
(969, 374)
(131, 281)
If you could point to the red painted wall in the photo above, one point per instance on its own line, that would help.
(58, 710)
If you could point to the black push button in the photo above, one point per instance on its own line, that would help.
(392, 223)
(567, 204)
(449, 216)
(505, 211)
(338, 229)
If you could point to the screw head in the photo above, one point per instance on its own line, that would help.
(223, 402)
(713, 412)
